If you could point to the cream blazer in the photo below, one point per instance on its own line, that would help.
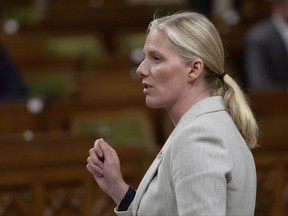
(204, 168)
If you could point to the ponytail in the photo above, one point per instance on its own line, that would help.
(237, 105)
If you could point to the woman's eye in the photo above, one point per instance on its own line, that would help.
(156, 59)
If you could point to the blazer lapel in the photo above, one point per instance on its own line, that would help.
(151, 172)
(146, 180)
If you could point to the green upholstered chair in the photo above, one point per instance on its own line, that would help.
(87, 47)
(50, 85)
(128, 128)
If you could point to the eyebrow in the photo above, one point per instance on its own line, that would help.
(153, 52)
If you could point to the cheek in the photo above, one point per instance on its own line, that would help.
(168, 71)
(172, 78)
(164, 80)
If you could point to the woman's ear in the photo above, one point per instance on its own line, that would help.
(196, 69)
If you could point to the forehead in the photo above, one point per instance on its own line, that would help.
(157, 40)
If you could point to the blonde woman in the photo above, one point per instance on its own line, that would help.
(206, 166)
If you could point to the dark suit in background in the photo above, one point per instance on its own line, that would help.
(11, 85)
(206, 6)
(201, 6)
(266, 58)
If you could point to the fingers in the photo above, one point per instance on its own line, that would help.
(102, 158)
(98, 150)
(95, 160)
(94, 165)
(94, 170)
(104, 151)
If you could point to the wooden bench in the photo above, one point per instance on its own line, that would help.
(47, 175)
(269, 103)
(271, 157)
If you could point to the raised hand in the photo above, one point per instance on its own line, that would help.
(103, 163)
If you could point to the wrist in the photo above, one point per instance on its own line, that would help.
(118, 193)
(127, 200)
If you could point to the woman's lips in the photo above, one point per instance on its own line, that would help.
(146, 87)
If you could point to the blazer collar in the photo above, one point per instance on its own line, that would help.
(208, 105)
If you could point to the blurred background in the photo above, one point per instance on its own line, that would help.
(67, 77)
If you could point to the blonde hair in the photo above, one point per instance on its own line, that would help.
(197, 37)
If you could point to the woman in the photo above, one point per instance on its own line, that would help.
(205, 167)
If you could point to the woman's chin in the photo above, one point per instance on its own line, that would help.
(152, 104)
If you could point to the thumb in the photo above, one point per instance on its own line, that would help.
(106, 149)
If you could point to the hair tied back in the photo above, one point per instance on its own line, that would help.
(221, 76)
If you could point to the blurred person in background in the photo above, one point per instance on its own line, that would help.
(204, 6)
(266, 51)
(206, 166)
(215, 8)
(12, 87)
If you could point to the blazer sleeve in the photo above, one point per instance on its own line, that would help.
(128, 212)
(200, 171)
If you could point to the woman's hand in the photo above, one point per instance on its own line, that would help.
(104, 165)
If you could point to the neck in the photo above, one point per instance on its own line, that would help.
(182, 106)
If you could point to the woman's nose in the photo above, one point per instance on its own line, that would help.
(142, 70)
